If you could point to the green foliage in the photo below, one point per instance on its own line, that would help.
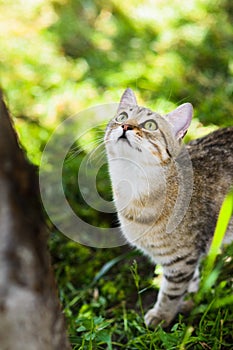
(59, 57)
(93, 332)
(104, 304)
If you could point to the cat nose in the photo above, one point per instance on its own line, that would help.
(126, 127)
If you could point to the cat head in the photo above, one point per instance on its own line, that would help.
(139, 132)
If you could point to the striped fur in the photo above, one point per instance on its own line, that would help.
(146, 184)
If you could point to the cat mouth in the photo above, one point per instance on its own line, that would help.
(124, 139)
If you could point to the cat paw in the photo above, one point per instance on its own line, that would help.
(186, 307)
(153, 319)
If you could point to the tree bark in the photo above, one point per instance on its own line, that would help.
(30, 314)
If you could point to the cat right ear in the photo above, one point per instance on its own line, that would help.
(127, 99)
(180, 119)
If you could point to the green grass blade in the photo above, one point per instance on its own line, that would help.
(221, 227)
(106, 267)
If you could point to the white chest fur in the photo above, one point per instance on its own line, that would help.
(139, 193)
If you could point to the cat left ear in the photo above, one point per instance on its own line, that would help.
(180, 119)
(128, 99)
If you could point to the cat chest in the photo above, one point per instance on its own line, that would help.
(154, 242)
(142, 229)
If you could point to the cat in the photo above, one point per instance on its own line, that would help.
(167, 195)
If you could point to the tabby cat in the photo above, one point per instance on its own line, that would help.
(167, 195)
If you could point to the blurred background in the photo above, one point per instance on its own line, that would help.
(59, 57)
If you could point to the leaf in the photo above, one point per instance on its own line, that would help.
(81, 329)
(75, 300)
(104, 336)
(106, 267)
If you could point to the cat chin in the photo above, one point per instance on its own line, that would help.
(134, 150)
(129, 148)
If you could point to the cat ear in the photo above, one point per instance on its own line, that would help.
(128, 99)
(180, 119)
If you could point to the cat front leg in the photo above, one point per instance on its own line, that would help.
(173, 288)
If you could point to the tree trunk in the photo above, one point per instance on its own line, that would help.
(30, 314)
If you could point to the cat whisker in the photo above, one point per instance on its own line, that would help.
(74, 152)
(93, 155)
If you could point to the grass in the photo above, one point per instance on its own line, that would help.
(106, 292)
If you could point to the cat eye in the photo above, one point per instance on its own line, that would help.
(150, 125)
(122, 117)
